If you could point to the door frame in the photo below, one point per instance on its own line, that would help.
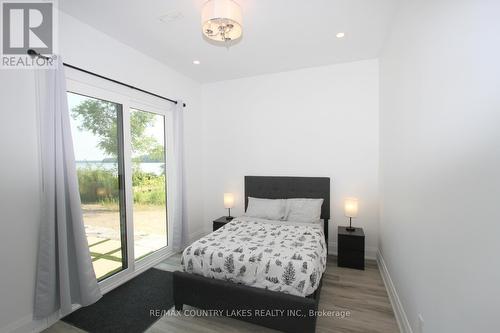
(91, 86)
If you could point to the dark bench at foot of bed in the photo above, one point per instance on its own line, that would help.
(292, 313)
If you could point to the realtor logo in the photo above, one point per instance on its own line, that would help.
(27, 25)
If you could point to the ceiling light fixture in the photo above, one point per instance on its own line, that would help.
(340, 35)
(221, 20)
(196, 62)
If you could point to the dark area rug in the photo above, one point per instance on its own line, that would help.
(126, 309)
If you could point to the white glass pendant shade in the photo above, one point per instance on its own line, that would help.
(221, 20)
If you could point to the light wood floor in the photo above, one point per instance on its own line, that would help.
(362, 293)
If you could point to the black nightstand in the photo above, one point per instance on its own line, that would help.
(351, 248)
(220, 222)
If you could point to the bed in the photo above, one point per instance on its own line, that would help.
(240, 271)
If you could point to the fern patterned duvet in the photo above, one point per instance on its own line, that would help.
(275, 255)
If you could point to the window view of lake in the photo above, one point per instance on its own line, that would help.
(96, 128)
(148, 167)
(95, 138)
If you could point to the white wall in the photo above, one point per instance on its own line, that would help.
(19, 199)
(313, 122)
(85, 47)
(110, 58)
(440, 163)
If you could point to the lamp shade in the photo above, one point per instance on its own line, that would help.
(221, 20)
(351, 207)
(228, 200)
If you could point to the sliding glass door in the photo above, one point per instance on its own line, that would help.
(97, 139)
(148, 182)
(121, 146)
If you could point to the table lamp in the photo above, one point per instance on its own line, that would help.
(350, 211)
(229, 203)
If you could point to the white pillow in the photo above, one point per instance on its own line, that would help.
(271, 209)
(303, 210)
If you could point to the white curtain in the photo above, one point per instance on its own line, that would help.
(179, 225)
(65, 275)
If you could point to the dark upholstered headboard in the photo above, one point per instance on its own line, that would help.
(291, 187)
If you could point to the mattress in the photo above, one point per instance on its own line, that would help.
(274, 255)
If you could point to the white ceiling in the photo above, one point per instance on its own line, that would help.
(278, 35)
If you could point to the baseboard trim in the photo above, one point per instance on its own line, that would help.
(370, 252)
(397, 306)
(28, 324)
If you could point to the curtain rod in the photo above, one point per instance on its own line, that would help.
(33, 53)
